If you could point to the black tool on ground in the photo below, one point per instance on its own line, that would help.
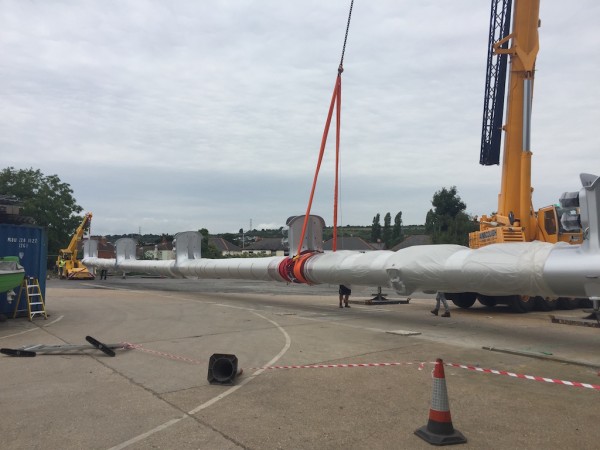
(222, 369)
(32, 350)
(16, 352)
(100, 346)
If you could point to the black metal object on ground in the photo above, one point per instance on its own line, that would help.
(16, 352)
(32, 350)
(579, 322)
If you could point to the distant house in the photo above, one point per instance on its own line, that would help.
(416, 239)
(267, 247)
(349, 243)
(162, 251)
(225, 247)
(10, 210)
(106, 250)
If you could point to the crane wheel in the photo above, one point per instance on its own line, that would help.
(462, 299)
(521, 303)
(487, 300)
(546, 303)
(568, 303)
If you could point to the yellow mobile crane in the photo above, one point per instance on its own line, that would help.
(72, 268)
(515, 219)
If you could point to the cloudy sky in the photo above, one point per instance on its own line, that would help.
(168, 116)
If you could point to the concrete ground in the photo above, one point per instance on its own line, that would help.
(158, 396)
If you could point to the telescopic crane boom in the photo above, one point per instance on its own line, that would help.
(515, 219)
(72, 268)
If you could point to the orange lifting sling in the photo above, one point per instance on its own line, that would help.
(336, 100)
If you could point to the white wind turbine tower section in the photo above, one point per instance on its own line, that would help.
(524, 268)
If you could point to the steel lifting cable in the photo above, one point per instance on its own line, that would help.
(346, 37)
(336, 100)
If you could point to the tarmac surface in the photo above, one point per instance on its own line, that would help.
(157, 395)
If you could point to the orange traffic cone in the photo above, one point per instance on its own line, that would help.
(439, 429)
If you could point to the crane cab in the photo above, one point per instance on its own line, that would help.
(550, 226)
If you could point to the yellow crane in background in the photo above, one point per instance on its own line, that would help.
(68, 265)
(515, 220)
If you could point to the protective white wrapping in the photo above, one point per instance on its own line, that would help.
(420, 268)
(500, 269)
(99, 263)
(528, 268)
(348, 267)
(166, 268)
(235, 268)
(504, 269)
(493, 270)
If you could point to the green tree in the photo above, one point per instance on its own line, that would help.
(397, 236)
(447, 222)
(208, 250)
(48, 200)
(387, 230)
(376, 228)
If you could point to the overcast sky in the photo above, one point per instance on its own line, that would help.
(169, 116)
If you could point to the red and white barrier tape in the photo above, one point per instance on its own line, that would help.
(335, 366)
(421, 365)
(127, 345)
(526, 377)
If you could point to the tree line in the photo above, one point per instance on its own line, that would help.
(388, 234)
(46, 199)
(51, 203)
(446, 223)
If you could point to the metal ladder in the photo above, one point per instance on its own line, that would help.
(30, 288)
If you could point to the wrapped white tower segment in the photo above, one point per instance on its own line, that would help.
(524, 269)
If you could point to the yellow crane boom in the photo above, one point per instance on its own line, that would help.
(515, 219)
(68, 265)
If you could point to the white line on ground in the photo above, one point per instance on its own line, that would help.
(288, 342)
(32, 329)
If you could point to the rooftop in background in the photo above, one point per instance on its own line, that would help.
(267, 244)
(10, 211)
(348, 243)
(9, 200)
(223, 245)
(417, 239)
